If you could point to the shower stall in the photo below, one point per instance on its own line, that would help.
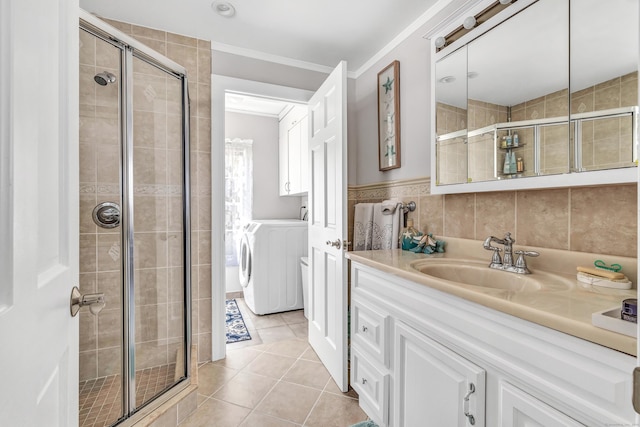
(134, 225)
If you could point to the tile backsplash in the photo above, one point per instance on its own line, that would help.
(599, 219)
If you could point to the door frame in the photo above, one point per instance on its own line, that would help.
(219, 86)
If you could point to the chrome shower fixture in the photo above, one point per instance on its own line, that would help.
(104, 78)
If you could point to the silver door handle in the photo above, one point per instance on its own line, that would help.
(465, 404)
(95, 302)
(337, 243)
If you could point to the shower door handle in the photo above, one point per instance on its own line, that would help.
(95, 302)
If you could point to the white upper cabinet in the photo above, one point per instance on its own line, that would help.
(294, 143)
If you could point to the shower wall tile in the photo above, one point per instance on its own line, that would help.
(106, 56)
(204, 346)
(108, 252)
(122, 26)
(203, 131)
(152, 286)
(87, 48)
(89, 171)
(88, 332)
(174, 131)
(183, 40)
(88, 260)
(159, 46)
(204, 281)
(204, 220)
(109, 361)
(110, 283)
(88, 361)
(175, 327)
(150, 33)
(150, 250)
(152, 353)
(204, 316)
(110, 328)
(186, 56)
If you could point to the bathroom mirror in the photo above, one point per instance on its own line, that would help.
(604, 82)
(451, 120)
(528, 117)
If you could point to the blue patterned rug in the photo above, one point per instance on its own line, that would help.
(236, 329)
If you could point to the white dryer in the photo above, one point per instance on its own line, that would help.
(270, 252)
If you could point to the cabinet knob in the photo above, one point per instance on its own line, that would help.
(364, 381)
(364, 328)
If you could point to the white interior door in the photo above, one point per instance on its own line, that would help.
(327, 224)
(38, 211)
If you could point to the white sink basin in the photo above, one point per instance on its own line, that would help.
(479, 274)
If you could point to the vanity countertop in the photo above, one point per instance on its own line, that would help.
(567, 311)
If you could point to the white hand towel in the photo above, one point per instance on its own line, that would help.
(362, 226)
(389, 206)
(386, 228)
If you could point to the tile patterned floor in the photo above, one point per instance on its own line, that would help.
(273, 380)
(100, 399)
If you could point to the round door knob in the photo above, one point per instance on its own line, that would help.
(336, 243)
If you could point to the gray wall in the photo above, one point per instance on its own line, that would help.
(267, 203)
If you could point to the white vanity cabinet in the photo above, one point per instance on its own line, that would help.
(293, 156)
(415, 351)
(433, 385)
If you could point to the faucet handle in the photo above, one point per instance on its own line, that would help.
(527, 253)
(521, 263)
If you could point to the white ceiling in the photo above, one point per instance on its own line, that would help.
(318, 32)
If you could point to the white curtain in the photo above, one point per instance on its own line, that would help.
(238, 193)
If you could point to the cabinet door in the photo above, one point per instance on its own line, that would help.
(283, 158)
(304, 154)
(434, 386)
(293, 134)
(520, 409)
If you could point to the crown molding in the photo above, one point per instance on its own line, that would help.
(268, 57)
(412, 28)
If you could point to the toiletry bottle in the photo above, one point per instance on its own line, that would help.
(516, 140)
(520, 165)
(503, 142)
(512, 163)
(507, 165)
(509, 141)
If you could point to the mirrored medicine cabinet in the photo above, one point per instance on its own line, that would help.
(541, 94)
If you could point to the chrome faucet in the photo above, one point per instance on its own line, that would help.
(506, 262)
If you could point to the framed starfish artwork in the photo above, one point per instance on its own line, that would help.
(389, 117)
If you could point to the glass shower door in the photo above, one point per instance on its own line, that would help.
(101, 335)
(158, 230)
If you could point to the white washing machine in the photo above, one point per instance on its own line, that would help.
(270, 252)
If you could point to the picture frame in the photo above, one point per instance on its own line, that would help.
(389, 117)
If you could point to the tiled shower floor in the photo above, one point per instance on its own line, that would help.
(101, 399)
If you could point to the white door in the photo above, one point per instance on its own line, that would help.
(38, 212)
(327, 224)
